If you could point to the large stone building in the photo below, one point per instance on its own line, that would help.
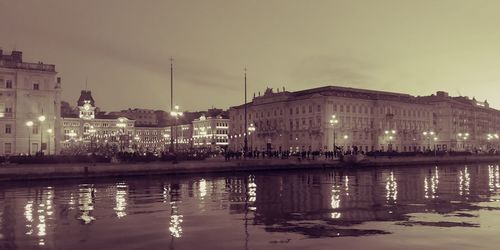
(29, 94)
(366, 119)
(211, 132)
(462, 123)
(91, 128)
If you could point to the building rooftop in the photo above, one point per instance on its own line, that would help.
(15, 61)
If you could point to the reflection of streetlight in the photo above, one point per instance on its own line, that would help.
(251, 129)
(49, 131)
(333, 122)
(30, 125)
(41, 119)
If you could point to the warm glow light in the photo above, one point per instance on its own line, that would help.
(29, 123)
(41, 118)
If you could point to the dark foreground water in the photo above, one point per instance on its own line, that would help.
(455, 207)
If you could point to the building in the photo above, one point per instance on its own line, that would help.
(29, 106)
(142, 117)
(92, 129)
(211, 132)
(464, 124)
(364, 119)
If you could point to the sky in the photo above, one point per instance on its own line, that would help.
(123, 47)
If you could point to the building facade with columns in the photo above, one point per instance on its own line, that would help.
(29, 95)
(300, 121)
(92, 129)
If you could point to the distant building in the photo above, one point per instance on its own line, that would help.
(27, 92)
(462, 123)
(211, 132)
(142, 117)
(91, 128)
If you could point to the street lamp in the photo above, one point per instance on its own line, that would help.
(121, 125)
(463, 137)
(391, 134)
(92, 134)
(333, 122)
(428, 135)
(176, 114)
(41, 119)
(251, 129)
(29, 124)
(49, 131)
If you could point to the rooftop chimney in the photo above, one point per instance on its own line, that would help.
(17, 56)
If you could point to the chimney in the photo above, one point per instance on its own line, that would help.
(17, 56)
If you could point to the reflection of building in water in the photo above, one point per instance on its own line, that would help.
(252, 193)
(38, 213)
(464, 182)
(121, 199)
(236, 190)
(86, 197)
(494, 182)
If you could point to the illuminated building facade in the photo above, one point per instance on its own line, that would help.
(211, 132)
(369, 120)
(300, 121)
(463, 123)
(29, 95)
(92, 128)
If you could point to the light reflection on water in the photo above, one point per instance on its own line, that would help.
(260, 210)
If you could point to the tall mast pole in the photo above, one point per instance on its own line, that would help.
(172, 103)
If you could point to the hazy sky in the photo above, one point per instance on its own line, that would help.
(124, 46)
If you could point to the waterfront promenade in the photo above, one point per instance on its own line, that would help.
(216, 165)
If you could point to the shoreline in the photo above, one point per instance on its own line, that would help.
(101, 170)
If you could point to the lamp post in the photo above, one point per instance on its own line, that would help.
(49, 132)
(92, 134)
(463, 137)
(121, 125)
(492, 137)
(428, 135)
(176, 114)
(41, 119)
(29, 124)
(334, 122)
(245, 146)
(251, 129)
(390, 136)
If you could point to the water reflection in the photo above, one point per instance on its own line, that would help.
(431, 183)
(121, 200)
(391, 188)
(38, 212)
(86, 200)
(313, 204)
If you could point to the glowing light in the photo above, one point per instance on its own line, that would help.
(391, 188)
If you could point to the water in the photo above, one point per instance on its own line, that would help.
(456, 207)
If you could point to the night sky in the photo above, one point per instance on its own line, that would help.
(123, 47)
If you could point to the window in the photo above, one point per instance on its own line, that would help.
(7, 149)
(36, 86)
(8, 84)
(8, 128)
(8, 110)
(35, 130)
